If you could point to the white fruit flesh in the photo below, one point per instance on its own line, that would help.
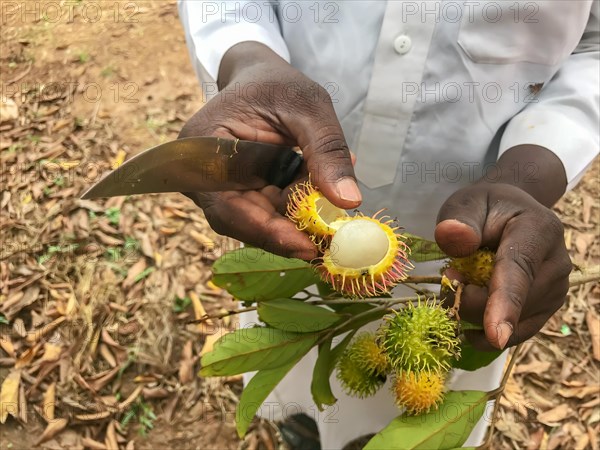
(359, 244)
(327, 212)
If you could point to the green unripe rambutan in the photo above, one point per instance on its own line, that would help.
(420, 337)
(476, 268)
(363, 366)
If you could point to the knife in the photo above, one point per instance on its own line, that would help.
(201, 164)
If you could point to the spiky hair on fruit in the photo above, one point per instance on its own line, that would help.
(421, 337)
(366, 257)
(418, 392)
(476, 268)
(363, 366)
(313, 213)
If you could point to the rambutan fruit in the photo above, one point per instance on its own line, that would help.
(418, 392)
(421, 337)
(476, 268)
(366, 257)
(313, 213)
(363, 366)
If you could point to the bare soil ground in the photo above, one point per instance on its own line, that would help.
(95, 295)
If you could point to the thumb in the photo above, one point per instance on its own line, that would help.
(327, 156)
(460, 223)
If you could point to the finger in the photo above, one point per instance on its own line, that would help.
(233, 215)
(460, 223)
(326, 152)
(522, 249)
(472, 304)
(526, 329)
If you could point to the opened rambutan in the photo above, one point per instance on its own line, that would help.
(418, 392)
(313, 213)
(366, 257)
(476, 268)
(420, 337)
(363, 366)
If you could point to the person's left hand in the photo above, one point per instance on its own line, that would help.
(531, 275)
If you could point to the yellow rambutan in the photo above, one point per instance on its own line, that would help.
(476, 268)
(418, 392)
(366, 257)
(313, 213)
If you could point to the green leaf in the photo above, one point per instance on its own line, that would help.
(295, 315)
(320, 386)
(255, 393)
(147, 271)
(471, 359)
(326, 291)
(250, 349)
(423, 250)
(443, 429)
(253, 274)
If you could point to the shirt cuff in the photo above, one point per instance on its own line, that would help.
(209, 50)
(574, 145)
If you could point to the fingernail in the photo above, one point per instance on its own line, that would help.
(505, 331)
(348, 190)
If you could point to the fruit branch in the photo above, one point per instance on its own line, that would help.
(583, 276)
(423, 280)
(497, 393)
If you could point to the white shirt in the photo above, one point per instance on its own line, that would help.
(429, 94)
(423, 89)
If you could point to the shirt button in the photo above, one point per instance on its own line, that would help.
(402, 44)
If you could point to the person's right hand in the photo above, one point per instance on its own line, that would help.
(263, 98)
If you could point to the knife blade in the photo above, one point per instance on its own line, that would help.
(200, 164)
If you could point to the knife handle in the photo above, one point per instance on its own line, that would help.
(286, 167)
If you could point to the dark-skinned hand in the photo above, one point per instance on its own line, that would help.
(263, 98)
(531, 275)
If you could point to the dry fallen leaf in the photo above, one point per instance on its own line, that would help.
(7, 346)
(129, 400)
(27, 356)
(9, 396)
(48, 402)
(54, 427)
(209, 343)
(110, 441)
(134, 271)
(101, 379)
(119, 158)
(199, 313)
(8, 109)
(202, 239)
(186, 365)
(51, 352)
(579, 392)
(92, 444)
(554, 416)
(593, 323)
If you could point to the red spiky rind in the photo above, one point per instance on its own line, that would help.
(372, 283)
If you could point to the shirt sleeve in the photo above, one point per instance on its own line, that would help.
(213, 27)
(565, 116)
